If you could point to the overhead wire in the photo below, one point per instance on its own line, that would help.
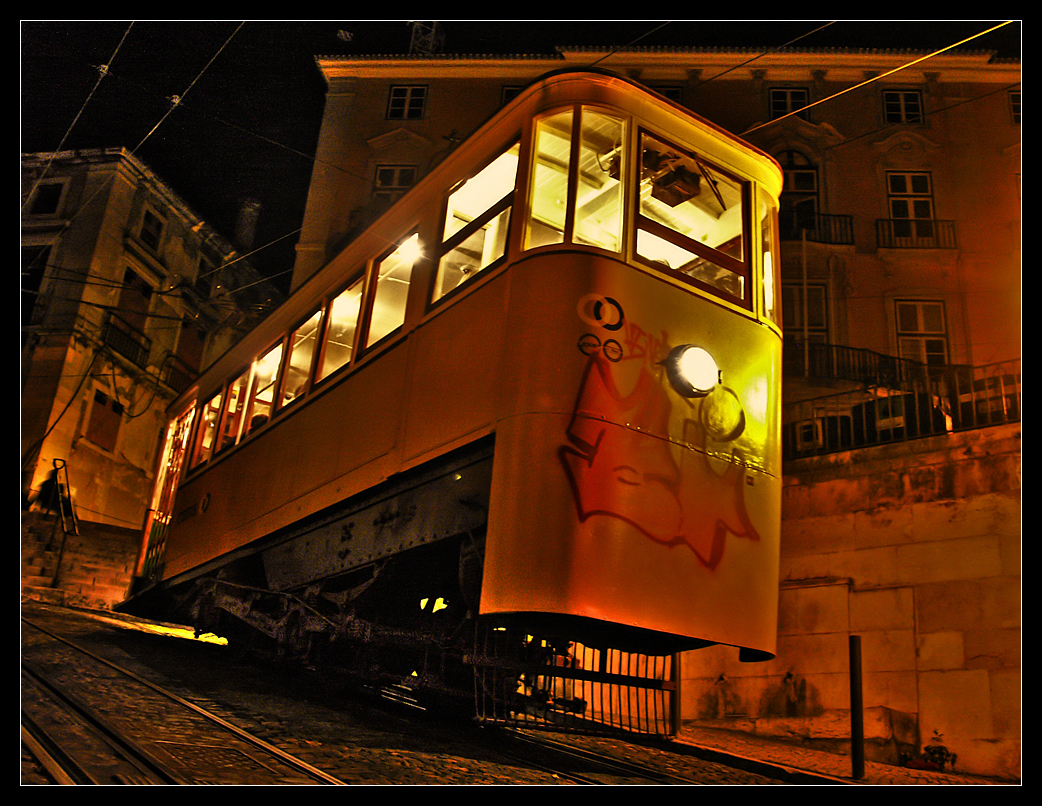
(103, 72)
(873, 79)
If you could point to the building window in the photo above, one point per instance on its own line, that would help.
(816, 318)
(406, 103)
(902, 106)
(785, 100)
(509, 93)
(922, 335)
(151, 230)
(34, 267)
(392, 181)
(675, 94)
(911, 205)
(46, 199)
(135, 299)
(799, 199)
(1014, 106)
(103, 425)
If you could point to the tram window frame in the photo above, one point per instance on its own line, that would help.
(374, 293)
(741, 267)
(201, 454)
(322, 371)
(494, 220)
(253, 400)
(230, 422)
(557, 226)
(292, 345)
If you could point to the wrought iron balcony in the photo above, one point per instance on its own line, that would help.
(127, 340)
(820, 227)
(838, 363)
(939, 401)
(915, 233)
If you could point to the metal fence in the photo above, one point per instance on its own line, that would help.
(579, 689)
(918, 404)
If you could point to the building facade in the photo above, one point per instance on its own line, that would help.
(901, 266)
(126, 295)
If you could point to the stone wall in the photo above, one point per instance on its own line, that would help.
(916, 548)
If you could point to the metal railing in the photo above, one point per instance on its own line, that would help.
(127, 340)
(839, 363)
(915, 233)
(938, 401)
(820, 227)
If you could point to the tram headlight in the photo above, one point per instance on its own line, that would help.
(691, 370)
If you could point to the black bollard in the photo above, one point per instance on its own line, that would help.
(857, 717)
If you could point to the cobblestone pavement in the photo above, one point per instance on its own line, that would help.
(361, 747)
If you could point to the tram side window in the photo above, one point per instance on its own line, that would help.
(233, 411)
(590, 212)
(691, 219)
(477, 216)
(771, 262)
(340, 331)
(548, 203)
(392, 276)
(211, 414)
(598, 206)
(263, 383)
(302, 343)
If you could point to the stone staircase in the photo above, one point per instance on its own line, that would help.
(96, 565)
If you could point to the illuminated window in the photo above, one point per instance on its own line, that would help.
(392, 276)
(406, 103)
(549, 195)
(576, 190)
(477, 216)
(302, 344)
(902, 106)
(235, 406)
(771, 259)
(206, 438)
(263, 383)
(922, 334)
(785, 100)
(598, 204)
(691, 220)
(340, 331)
(105, 417)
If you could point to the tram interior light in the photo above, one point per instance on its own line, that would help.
(691, 370)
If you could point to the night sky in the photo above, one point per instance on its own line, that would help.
(252, 95)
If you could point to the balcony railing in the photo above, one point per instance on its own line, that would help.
(915, 233)
(941, 401)
(820, 227)
(835, 362)
(127, 340)
(178, 375)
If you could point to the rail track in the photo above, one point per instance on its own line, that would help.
(73, 723)
(88, 719)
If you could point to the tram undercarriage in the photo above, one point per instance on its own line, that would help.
(404, 621)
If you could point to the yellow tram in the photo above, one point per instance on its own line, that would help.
(543, 389)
